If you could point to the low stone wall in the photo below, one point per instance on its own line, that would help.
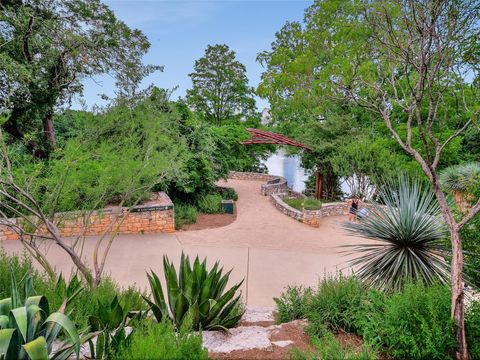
(309, 217)
(333, 209)
(273, 184)
(155, 216)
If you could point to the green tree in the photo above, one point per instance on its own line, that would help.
(220, 86)
(47, 49)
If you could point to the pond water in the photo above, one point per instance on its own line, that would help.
(289, 167)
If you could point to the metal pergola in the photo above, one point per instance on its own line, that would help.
(258, 136)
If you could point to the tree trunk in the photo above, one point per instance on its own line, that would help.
(49, 129)
(458, 310)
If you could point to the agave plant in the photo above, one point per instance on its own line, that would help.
(109, 326)
(407, 231)
(196, 294)
(28, 331)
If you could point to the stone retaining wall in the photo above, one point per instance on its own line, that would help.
(155, 216)
(309, 217)
(273, 184)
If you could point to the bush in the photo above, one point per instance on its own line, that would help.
(210, 204)
(412, 324)
(293, 303)
(84, 305)
(185, 214)
(472, 325)
(335, 305)
(328, 347)
(228, 193)
(160, 341)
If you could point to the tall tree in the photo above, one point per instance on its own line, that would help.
(416, 64)
(220, 86)
(46, 49)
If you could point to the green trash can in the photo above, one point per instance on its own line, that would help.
(228, 206)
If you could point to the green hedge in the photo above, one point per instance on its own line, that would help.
(412, 324)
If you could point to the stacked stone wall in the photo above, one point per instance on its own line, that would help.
(155, 217)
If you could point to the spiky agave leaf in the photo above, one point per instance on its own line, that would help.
(407, 231)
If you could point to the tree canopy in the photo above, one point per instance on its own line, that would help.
(220, 86)
(48, 49)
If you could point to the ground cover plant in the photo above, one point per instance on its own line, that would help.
(153, 340)
(303, 203)
(413, 323)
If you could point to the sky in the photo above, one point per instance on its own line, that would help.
(180, 30)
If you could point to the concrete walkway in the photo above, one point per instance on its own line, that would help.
(264, 246)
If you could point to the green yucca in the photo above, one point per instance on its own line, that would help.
(195, 295)
(407, 231)
(460, 177)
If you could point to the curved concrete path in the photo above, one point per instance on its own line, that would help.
(265, 247)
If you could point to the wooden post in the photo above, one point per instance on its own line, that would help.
(318, 185)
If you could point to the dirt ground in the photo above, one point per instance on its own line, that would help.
(291, 331)
(211, 221)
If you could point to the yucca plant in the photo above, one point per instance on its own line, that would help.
(195, 294)
(407, 231)
(460, 177)
(28, 331)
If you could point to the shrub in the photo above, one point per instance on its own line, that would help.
(472, 325)
(335, 304)
(82, 306)
(160, 341)
(228, 193)
(412, 324)
(328, 347)
(185, 214)
(18, 266)
(196, 293)
(210, 204)
(293, 303)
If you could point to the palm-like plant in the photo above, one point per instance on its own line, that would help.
(195, 295)
(407, 231)
(460, 178)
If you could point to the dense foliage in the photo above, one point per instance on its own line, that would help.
(412, 324)
(48, 49)
(220, 89)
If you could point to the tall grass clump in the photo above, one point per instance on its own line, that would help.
(292, 304)
(210, 204)
(185, 214)
(161, 341)
(412, 324)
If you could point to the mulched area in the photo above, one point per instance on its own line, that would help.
(210, 221)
